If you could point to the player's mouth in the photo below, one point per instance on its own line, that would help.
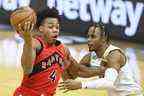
(90, 45)
(55, 37)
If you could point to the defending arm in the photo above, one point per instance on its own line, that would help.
(102, 83)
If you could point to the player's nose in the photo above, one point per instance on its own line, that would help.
(89, 41)
(55, 31)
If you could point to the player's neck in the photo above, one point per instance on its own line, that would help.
(100, 51)
(48, 42)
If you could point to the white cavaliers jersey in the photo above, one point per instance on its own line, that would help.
(127, 82)
(95, 61)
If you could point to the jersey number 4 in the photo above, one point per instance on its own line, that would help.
(53, 76)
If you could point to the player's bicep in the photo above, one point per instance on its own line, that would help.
(115, 60)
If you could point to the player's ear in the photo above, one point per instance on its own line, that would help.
(105, 40)
(40, 28)
(102, 37)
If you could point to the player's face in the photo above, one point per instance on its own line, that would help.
(94, 38)
(50, 29)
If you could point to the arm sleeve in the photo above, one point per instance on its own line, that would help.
(103, 83)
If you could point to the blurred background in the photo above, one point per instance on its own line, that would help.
(124, 20)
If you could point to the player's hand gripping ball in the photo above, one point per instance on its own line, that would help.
(21, 16)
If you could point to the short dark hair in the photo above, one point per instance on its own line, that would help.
(47, 12)
(103, 28)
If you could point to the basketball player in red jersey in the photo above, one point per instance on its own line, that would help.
(44, 58)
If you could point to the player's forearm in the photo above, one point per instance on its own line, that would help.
(27, 38)
(87, 72)
(71, 72)
(68, 75)
(101, 83)
(26, 59)
(107, 82)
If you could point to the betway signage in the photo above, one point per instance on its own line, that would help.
(10, 5)
(118, 12)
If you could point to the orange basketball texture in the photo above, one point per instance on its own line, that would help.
(22, 15)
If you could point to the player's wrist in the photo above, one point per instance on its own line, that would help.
(27, 37)
(83, 85)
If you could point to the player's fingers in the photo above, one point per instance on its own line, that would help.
(20, 28)
(61, 82)
(66, 91)
(65, 86)
(25, 27)
(62, 88)
(32, 26)
(68, 86)
(67, 81)
(61, 85)
(28, 26)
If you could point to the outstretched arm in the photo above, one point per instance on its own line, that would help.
(86, 71)
(81, 69)
(115, 60)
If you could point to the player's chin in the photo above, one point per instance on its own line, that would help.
(90, 49)
(54, 40)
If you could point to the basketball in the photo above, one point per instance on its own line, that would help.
(22, 15)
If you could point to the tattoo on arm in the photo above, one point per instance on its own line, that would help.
(86, 71)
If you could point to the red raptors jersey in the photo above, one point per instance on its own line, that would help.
(47, 69)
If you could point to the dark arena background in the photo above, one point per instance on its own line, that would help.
(124, 20)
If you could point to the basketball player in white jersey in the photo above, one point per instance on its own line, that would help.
(119, 79)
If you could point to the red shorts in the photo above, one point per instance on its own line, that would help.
(24, 91)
